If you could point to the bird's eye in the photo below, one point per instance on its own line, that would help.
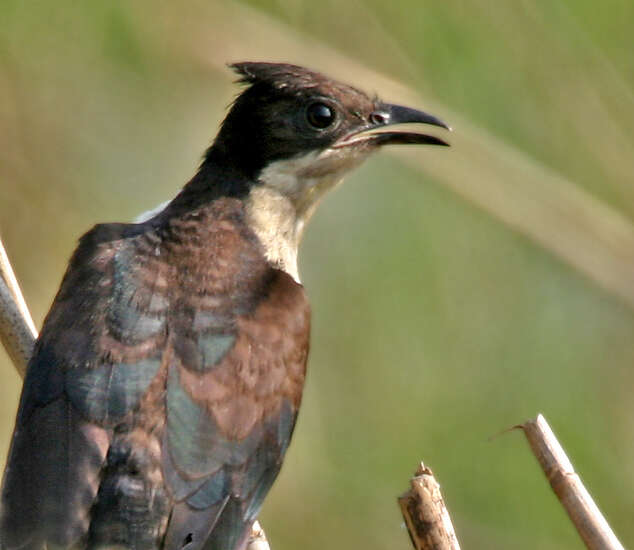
(319, 115)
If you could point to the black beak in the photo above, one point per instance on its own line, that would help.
(389, 115)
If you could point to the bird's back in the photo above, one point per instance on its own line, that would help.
(163, 390)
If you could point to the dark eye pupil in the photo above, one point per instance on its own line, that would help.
(320, 115)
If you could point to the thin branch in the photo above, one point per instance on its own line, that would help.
(426, 515)
(17, 329)
(258, 541)
(9, 277)
(567, 485)
(18, 334)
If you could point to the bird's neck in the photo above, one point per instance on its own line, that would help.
(217, 177)
(285, 197)
(274, 219)
(268, 212)
(278, 200)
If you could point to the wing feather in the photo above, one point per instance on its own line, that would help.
(230, 424)
(97, 354)
(162, 393)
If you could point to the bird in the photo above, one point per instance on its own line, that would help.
(165, 384)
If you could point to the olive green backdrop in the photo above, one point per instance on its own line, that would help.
(455, 292)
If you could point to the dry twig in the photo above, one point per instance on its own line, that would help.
(17, 330)
(426, 515)
(567, 485)
(258, 541)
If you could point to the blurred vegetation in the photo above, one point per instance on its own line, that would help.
(435, 324)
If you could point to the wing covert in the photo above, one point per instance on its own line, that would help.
(229, 426)
(98, 351)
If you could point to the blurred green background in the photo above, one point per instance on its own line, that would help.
(455, 292)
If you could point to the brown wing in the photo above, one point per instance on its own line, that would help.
(228, 427)
(236, 373)
(99, 348)
(163, 390)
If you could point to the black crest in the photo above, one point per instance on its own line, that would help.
(278, 75)
(267, 121)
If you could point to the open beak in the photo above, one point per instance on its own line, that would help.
(390, 115)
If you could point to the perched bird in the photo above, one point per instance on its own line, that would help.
(163, 389)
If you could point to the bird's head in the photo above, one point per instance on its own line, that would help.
(298, 131)
(291, 135)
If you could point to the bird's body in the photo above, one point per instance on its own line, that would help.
(165, 384)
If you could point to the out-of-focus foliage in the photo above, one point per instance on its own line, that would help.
(435, 325)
